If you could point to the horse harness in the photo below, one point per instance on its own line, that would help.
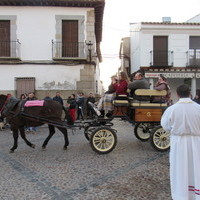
(11, 103)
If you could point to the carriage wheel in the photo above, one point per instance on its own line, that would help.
(160, 139)
(103, 140)
(142, 131)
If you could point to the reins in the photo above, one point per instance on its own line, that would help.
(6, 101)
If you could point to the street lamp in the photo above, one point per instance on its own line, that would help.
(89, 45)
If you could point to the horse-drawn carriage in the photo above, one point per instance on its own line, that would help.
(145, 115)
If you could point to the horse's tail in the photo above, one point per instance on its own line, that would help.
(68, 117)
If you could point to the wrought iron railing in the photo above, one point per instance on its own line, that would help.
(68, 50)
(10, 49)
(193, 58)
(161, 58)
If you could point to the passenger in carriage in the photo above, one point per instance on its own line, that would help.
(139, 82)
(113, 85)
(122, 85)
(119, 87)
(107, 98)
(162, 85)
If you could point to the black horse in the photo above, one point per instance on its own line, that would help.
(19, 117)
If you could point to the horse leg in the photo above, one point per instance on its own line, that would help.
(23, 135)
(51, 133)
(15, 136)
(64, 131)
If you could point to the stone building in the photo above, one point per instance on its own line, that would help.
(50, 45)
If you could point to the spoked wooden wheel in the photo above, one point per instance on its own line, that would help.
(160, 139)
(103, 140)
(142, 131)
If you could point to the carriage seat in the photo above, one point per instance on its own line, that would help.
(151, 93)
(121, 100)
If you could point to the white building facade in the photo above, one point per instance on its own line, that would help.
(171, 49)
(50, 46)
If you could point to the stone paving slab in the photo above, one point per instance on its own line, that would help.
(132, 171)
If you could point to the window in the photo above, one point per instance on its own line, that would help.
(194, 42)
(160, 51)
(70, 43)
(70, 37)
(5, 38)
(194, 52)
(9, 44)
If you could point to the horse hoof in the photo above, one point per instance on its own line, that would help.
(64, 148)
(43, 148)
(11, 151)
(33, 146)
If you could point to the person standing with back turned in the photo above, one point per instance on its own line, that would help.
(182, 120)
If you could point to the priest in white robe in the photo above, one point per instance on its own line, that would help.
(182, 120)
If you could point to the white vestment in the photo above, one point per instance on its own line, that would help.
(182, 120)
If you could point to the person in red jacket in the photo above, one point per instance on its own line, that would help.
(121, 87)
(105, 104)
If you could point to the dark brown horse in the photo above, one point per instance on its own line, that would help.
(20, 117)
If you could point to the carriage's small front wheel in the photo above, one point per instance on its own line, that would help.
(160, 139)
(103, 140)
(142, 131)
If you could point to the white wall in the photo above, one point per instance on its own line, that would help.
(65, 75)
(135, 47)
(36, 28)
(141, 37)
(146, 46)
(179, 44)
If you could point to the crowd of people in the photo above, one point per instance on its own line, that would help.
(77, 105)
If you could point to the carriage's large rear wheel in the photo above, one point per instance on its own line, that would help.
(103, 140)
(160, 139)
(142, 131)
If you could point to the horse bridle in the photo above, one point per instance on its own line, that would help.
(4, 105)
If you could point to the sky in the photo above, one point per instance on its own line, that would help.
(118, 14)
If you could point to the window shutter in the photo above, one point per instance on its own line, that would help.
(70, 38)
(5, 38)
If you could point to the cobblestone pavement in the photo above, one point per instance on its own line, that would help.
(132, 171)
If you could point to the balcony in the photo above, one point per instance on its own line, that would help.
(193, 58)
(10, 50)
(69, 50)
(161, 58)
